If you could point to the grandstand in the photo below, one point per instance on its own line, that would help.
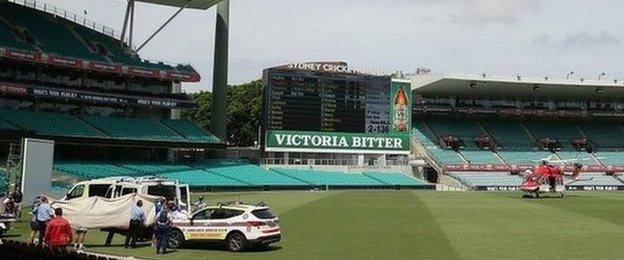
(219, 174)
(472, 131)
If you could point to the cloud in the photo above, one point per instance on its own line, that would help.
(579, 41)
(493, 12)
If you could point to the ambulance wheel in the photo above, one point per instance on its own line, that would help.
(176, 239)
(236, 242)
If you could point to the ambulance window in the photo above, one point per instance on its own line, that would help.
(98, 189)
(204, 214)
(225, 213)
(76, 192)
(263, 214)
(125, 191)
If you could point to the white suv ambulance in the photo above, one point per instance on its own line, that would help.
(237, 226)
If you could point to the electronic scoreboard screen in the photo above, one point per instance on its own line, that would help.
(321, 100)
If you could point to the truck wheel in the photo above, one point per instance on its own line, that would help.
(176, 239)
(236, 242)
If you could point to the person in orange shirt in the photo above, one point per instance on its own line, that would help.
(58, 232)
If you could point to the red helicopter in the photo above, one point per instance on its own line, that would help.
(549, 178)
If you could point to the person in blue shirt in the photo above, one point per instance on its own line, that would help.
(44, 214)
(34, 225)
(137, 219)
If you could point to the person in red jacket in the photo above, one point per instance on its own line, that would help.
(58, 232)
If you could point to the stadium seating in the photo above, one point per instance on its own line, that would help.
(329, 178)
(444, 156)
(7, 39)
(47, 123)
(582, 157)
(253, 174)
(465, 130)
(611, 157)
(59, 187)
(151, 167)
(93, 169)
(190, 131)
(523, 157)
(394, 178)
(487, 179)
(481, 157)
(224, 173)
(597, 133)
(563, 132)
(597, 179)
(200, 178)
(509, 134)
(4, 125)
(52, 36)
(132, 128)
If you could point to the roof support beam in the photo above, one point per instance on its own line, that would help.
(161, 27)
(220, 71)
(131, 24)
(125, 22)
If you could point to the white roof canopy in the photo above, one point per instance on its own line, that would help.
(193, 4)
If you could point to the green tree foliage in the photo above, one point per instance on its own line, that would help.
(201, 114)
(244, 112)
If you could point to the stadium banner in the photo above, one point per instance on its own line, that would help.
(328, 142)
(22, 55)
(143, 72)
(84, 96)
(187, 77)
(67, 62)
(105, 67)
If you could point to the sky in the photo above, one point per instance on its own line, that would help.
(498, 37)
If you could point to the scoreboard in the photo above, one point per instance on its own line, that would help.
(319, 99)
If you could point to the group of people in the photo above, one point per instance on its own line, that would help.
(166, 212)
(54, 230)
(49, 227)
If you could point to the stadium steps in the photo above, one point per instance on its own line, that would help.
(97, 129)
(499, 157)
(526, 130)
(596, 158)
(225, 176)
(490, 135)
(290, 176)
(172, 130)
(463, 157)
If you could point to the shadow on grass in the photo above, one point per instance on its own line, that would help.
(194, 246)
(220, 247)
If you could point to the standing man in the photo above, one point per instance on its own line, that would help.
(163, 230)
(58, 231)
(34, 224)
(44, 214)
(137, 218)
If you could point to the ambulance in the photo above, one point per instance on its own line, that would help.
(235, 225)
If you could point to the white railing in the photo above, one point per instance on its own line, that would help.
(67, 15)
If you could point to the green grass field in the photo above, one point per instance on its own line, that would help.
(421, 224)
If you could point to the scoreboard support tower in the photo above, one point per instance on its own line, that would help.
(220, 70)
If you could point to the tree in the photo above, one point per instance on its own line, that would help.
(201, 114)
(244, 112)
